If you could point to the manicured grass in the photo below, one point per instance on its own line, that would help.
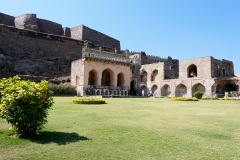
(141, 128)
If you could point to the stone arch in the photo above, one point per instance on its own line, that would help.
(154, 75)
(92, 77)
(220, 88)
(181, 90)
(107, 77)
(154, 90)
(98, 92)
(192, 71)
(165, 90)
(198, 87)
(143, 91)
(120, 80)
(106, 92)
(126, 93)
(144, 76)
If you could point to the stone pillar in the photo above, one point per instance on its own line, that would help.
(189, 91)
(99, 79)
(114, 80)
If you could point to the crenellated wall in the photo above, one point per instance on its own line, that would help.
(31, 22)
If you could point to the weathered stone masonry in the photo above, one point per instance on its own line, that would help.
(41, 49)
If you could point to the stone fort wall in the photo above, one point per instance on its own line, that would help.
(31, 22)
(26, 52)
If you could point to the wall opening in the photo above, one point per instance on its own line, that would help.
(133, 88)
(92, 77)
(154, 75)
(192, 71)
(166, 90)
(154, 90)
(181, 90)
(198, 87)
(120, 80)
(106, 78)
(144, 76)
(143, 91)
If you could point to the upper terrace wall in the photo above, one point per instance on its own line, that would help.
(199, 66)
(84, 33)
(221, 68)
(6, 19)
(31, 22)
(25, 52)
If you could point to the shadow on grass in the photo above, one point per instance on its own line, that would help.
(60, 138)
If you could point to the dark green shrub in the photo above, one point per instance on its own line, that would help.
(25, 104)
(88, 101)
(62, 89)
(184, 99)
(198, 94)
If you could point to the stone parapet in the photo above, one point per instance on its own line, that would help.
(90, 53)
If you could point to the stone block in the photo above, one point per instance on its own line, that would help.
(49, 27)
(66, 32)
(6, 19)
(27, 21)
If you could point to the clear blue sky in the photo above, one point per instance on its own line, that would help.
(182, 29)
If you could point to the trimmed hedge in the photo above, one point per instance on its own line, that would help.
(228, 98)
(88, 101)
(184, 99)
(209, 98)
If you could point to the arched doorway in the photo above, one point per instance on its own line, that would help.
(92, 77)
(154, 75)
(166, 90)
(120, 80)
(106, 78)
(133, 90)
(181, 90)
(143, 91)
(192, 71)
(198, 87)
(154, 90)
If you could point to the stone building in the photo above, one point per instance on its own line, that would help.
(37, 49)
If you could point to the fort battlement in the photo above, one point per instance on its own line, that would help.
(31, 22)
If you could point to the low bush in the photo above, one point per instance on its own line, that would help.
(198, 94)
(209, 98)
(25, 104)
(62, 89)
(228, 98)
(184, 99)
(88, 101)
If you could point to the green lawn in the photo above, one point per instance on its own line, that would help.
(141, 128)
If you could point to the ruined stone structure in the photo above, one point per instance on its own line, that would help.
(38, 49)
